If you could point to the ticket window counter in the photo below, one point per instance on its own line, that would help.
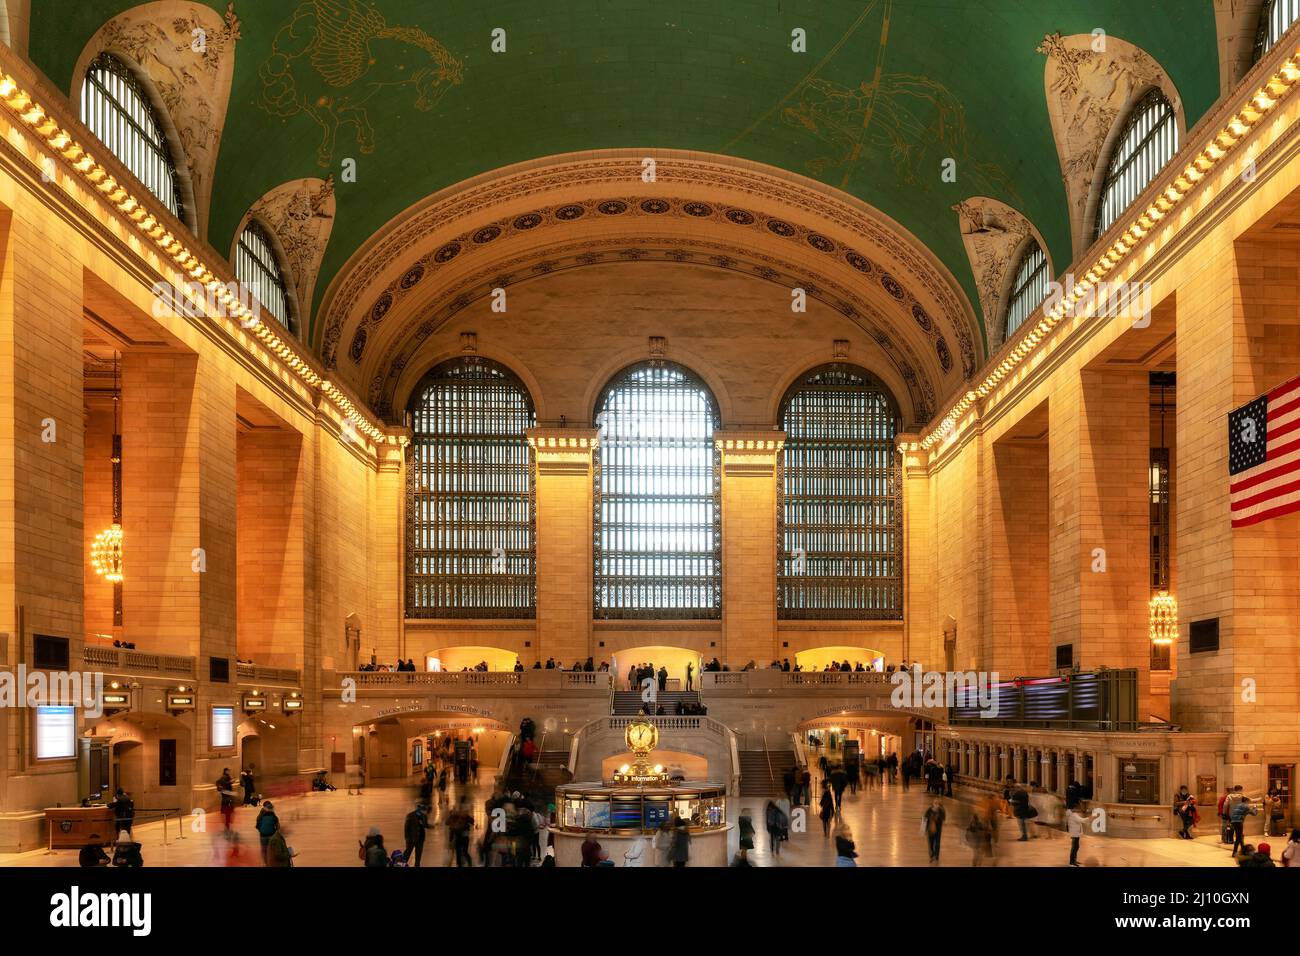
(1139, 781)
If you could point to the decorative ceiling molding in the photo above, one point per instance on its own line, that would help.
(737, 203)
(186, 52)
(995, 236)
(385, 390)
(300, 216)
(1089, 94)
(1237, 24)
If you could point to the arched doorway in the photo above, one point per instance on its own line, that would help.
(820, 658)
(150, 757)
(470, 657)
(394, 750)
(866, 734)
(674, 659)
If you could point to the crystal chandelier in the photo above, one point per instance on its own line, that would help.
(1164, 618)
(106, 553)
(106, 549)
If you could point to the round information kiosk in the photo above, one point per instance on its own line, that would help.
(636, 804)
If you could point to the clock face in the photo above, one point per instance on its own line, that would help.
(642, 736)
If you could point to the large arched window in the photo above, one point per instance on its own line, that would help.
(840, 511)
(1147, 142)
(258, 270)
(115, 107)
(1275, 19)
(1028, 287)
(469, 516)
(658, 546)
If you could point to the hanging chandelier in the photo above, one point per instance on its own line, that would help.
(1164, 619)
(106, 553)
(106, 549)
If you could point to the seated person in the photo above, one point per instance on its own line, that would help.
(92, 854)
(126, 852)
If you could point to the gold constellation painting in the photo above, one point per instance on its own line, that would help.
(335, 56)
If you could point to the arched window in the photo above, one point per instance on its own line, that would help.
(469, 516)
(1028, 288)
(1275, 19)
(258, 270)
(658, 543)
(115, 107)
(1148, 140)
(840, 511)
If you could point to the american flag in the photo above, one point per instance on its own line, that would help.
(1264, 456)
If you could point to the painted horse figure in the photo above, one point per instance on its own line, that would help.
(332, 58)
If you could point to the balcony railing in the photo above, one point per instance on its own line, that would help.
(256, 673)
(117, 660)
(528, 679)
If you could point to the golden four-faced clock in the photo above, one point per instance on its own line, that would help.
(641, 736)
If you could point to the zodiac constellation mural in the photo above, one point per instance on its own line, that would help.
(335, 56)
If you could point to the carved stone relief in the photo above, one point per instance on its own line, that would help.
(187, 50)
(301, 214)
(1091, 85)
(995, 236)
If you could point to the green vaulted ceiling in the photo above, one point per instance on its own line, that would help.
(886, 92)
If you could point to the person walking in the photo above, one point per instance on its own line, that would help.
(1021, 809)
(839, 781)
(1074, 827)
(226, 790)
(745, 826)
(1291, 852)
(1240, 810)
(827, 805)
(414, 830)
(123, 808)
(775, 823)
(635, 854)
(246, 779)
(662, 844)
(267, 823)
(932, 826)
(459, 823)
(279, 855)
(681, 844)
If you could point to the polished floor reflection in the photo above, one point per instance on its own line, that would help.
(324, 828)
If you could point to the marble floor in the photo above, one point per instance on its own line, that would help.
(323, 829)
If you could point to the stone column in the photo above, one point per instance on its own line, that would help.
(564, 540)
(749, 549)
(1099, 448)
(922, 632)
(179, 506)
(1238, 327)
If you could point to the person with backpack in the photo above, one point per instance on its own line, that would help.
(266, 825)
(372, 852)
(1240, 810)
